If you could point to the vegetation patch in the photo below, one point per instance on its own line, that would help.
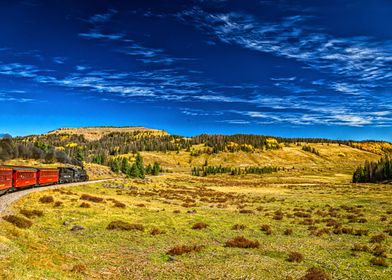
(19, 222)
(46, 199)
(184, 249)
(199, 225)
(242, 242)
(316, 273)
(295, 257)
(31, 213)
(91, 198)
(121, 225)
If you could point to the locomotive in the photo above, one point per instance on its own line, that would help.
(17, 177)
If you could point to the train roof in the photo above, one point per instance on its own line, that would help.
(15, 167)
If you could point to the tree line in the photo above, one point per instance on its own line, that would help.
(310, 149)
(374, 172)
(213, 170)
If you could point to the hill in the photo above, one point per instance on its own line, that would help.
(96, 133)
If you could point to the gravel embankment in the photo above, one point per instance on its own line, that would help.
(7, 199)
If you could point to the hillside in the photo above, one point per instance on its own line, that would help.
(96, 133)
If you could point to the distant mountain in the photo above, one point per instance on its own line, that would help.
(5, 135)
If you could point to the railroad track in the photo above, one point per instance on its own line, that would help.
(6, 200)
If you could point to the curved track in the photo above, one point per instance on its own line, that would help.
(7, 199)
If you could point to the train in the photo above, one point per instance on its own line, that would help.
(17, 177)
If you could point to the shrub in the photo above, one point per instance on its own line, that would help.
(176, 211)
(31, 213)
(360, 248)
(184, 249)
(295, 257)
(46, 199)
(379, 251)
(140, 205)
(79, 268)
(121, 225)
(246, 211)
(267, 229)
(238, 227)
(119, 204)
(278, 215)
(242, 242)
(315, 273)
(18, 221)
(85, 205)
(377, 238)
(58, 204)
(288, 231)
(379, 261)
(156, 231)
(91, 198)
(200, 225)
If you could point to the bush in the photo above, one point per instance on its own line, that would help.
(200, 225)
(246, 211)
(18, 221)
(295, 257)
(91, 198)
(46, 199)
(267, 229)
(85, 205)
(360, 248)
(58, 204)
(379, 261)
(184, 249)
(119, 204)
(315, 273)
(288, 231)
(156, 231)
(238, 227)
(31, 213)
(121, 225)
(242, 242)
(377, 238)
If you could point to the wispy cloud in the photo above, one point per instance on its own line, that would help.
(101, 18)
(357, 58)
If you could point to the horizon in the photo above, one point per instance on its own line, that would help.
(293, 69)
(227, 134)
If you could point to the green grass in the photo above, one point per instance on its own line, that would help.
(51, 250)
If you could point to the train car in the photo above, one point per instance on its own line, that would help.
(47, 176)
(24, 177)
(5, 179)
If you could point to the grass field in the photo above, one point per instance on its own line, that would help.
(296, 220)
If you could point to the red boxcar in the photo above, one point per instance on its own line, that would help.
(5, 178)
(24, 176)
(47, 176)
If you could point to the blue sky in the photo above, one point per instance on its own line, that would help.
(274, 67)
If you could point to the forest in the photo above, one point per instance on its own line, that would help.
(374, 172)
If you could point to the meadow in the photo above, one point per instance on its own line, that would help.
(304, 222)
